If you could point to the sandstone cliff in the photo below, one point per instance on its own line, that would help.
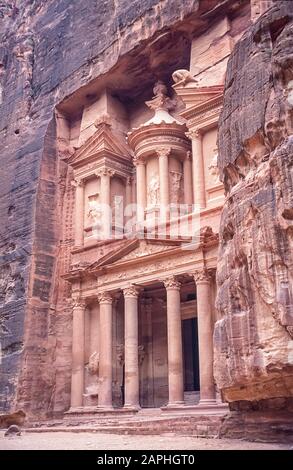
(253, 338)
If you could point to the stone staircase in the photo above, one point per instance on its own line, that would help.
(145, 422)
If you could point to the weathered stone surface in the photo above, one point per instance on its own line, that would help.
(10, 419)
(253, 338)
(13, 430)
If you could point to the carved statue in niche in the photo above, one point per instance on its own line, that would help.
(154, 190)
(213, 167)
(94, 212)
(141, 354)
(117, 211)
(175, 187)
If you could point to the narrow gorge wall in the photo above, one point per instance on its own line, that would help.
(253, 338)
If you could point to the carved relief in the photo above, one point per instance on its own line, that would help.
(93, 364)
(153, 191)
(105, 297)
(94, 212)
(213, 167)
(175, 187)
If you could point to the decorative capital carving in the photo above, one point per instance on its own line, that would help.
(172, 283)
(78, 182)
(78, 302)
(194, 134)
(138, 161)
(202, 275)
(105, 298)
(163, 151)
(131, 291)
(105, 172)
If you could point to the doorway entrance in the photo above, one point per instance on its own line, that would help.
(190, 355)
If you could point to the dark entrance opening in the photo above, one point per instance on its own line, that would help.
(190, 355)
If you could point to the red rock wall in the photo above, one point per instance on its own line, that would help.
(253, 338)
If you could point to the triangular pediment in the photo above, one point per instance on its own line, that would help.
(136, 249)
(194, 96)
(103, 142)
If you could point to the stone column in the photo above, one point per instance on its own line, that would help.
(77, 377)
(131, 348)
(105, 362)
(140, 188)
(187, 179)
(199, 196)
(105, 200)
(128, 191)
(163, 155)
(205, 337)
(79, 213)
(175, 360)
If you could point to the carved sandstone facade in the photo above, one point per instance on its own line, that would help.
(124, 271)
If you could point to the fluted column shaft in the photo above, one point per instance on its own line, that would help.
(77, 377)
(79, 213)
(205, 337)
(131, 347)
(175, 360)
(105, 361)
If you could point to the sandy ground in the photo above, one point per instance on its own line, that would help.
(91, 441)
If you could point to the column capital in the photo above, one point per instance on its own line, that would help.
(163, 152)
(194, 134)
(105, 298)
(138, 161)
(131, 291)
(105, 172)
(202, 276)
(172, 283)
(78, 302)
(78, 182)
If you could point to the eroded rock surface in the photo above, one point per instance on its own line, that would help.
(253, 338)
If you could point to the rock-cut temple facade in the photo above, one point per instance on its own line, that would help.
(142, 285)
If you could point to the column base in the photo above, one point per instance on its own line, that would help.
(131, 407)
(207, 402)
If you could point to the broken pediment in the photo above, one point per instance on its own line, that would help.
(193, 95)
(104, 142)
